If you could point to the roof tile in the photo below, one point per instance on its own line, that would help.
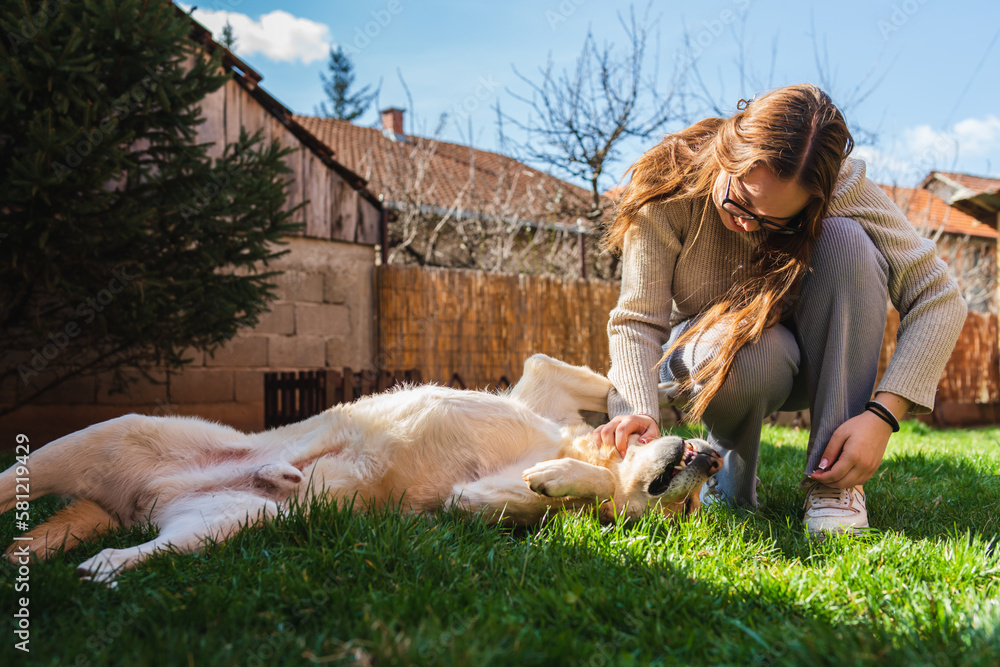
(452, 175)
(978, 184)
(927, 211)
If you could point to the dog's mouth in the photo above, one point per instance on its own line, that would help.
(689, 455)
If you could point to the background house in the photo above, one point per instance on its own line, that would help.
(324, 314)
(959, 212)
(965, 242)
(976, 196)
(459, 207)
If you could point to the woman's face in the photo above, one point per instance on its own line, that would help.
(761, 193)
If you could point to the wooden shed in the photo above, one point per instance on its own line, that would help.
(338, 205)
(324, 313)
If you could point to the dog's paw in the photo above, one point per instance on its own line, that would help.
(102, 568)
(551, 478)
(279, 478)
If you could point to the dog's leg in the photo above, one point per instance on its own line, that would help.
(277, 480)
(185, 526)
(109, 463)
(559, 478)
(505, 497)
(558, 391)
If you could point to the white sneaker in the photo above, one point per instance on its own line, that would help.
(709, 495)
(832, 510)
(672, 401)
(670, 395)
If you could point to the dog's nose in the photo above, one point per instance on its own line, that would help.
(714, 462)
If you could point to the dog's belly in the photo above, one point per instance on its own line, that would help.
(420, 473)
(423, 477)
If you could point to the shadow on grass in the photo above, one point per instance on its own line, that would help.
(730, 587)
(924, 495)
(390, 588)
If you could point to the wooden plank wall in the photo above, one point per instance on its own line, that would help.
(334, 210)
(483, 326)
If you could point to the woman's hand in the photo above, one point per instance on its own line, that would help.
(616, 432)
(856, 448)
(855, 451)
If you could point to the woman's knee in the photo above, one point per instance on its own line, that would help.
(845, 251)
(761, 376)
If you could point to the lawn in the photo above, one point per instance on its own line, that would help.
(728, 587)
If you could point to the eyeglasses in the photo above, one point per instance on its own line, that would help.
(794, 225)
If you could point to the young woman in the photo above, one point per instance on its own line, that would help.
(758, 262)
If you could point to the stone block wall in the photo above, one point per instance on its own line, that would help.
(323, 316)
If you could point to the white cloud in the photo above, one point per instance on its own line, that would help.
(978, 136)
(971, 145)
(884, 167)
(277, 35)
(925, 143)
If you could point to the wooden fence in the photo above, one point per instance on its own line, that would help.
(290, 397)
(972, 374)
(483, 326)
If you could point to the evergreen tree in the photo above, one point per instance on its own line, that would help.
(344, 104)
(122, 243)
(228, 39)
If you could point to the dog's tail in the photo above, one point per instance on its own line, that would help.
(68, 466)
(78, 521)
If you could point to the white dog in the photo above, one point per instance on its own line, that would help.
(510, 457)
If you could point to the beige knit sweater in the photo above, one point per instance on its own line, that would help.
(679, 258)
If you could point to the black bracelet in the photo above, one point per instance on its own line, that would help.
(883, 413)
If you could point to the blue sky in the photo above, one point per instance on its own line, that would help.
(934, 65)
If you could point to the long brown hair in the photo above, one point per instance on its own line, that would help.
(797, 133)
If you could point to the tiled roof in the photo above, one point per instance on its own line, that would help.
(927, 211)
(978, 184)
(458, 176)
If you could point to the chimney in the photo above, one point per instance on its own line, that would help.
(392, 120)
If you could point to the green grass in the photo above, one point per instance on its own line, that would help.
(729, 587)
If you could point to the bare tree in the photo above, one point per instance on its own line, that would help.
(504, 219)
(578, 119)
(715, 99)
(972, 263)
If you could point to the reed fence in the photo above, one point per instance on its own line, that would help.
(972, 374)
(481, 327)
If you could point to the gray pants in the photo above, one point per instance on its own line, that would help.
(823, 357)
